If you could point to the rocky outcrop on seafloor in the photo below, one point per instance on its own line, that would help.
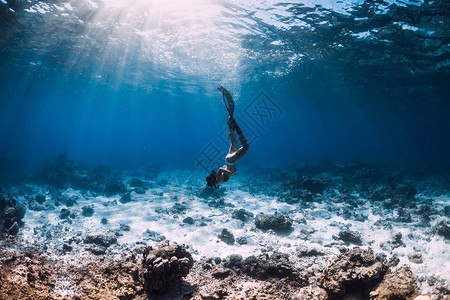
(314, 185)
(393, 195)
(38, 203)
(299, 191)
(87, 211)
(25, 277)
(163, 267)
(178, 208)
(242, 214)
(359, 274)
(296, 196)
(105, 261)
(153, 236)
(210, 193)
(139, 183)
(356, 274)
(276, 221)
(348, 236)
(130, 275)
(227, 237)
(396, 284)
(443, 229)
(98, 243)
(30, 275)
(125, 198)
(352, 270)
(11, 214)
(264, 266)
(61, 173)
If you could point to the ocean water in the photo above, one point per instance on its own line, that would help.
(352, 93)
(129, 83)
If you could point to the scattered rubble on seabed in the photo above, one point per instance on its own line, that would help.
(340, 232)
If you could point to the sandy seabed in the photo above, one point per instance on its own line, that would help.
(83, 243)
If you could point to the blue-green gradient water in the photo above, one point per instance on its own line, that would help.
(133, 83)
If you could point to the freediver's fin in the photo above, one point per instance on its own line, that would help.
(226, 94)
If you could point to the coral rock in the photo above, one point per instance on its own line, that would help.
(396, 284)
(349, 236)
(162, 267)
(125, 198)
(276, 221)
(11, 212)
(353, 268)
(314, 185)
(227, 237)
(263, 266)
(443, 229)
(242, 214)
(416, 258)
(40, 198)
(396, 193)
(104, 240)
(87, 211)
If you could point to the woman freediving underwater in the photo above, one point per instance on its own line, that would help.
(234, 154)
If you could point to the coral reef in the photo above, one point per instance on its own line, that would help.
(356, 274)
(97, 244)
(62, 173)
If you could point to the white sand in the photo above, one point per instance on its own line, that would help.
(142, 214)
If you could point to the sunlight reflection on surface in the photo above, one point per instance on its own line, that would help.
(188, 45)
(173, 36)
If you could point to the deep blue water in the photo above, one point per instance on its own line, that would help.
(128, 84)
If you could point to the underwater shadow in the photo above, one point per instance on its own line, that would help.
(180, 290)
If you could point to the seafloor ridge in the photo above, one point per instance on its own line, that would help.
(320, 231)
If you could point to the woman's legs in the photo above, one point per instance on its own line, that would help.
(234, 153)
(233, 146)
(241, 136)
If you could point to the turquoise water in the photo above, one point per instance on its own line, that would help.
(134, 83)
